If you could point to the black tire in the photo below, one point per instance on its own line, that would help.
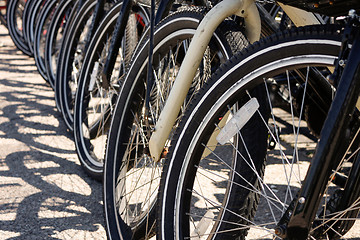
(55, 36)
(25, 17)
(73, 30)
(14, 12)
(31, 19)
(172, 34)
(41, 31)
(93, 102)
(71, 60)
(232, 175)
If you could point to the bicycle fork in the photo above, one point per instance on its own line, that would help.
(243, 8)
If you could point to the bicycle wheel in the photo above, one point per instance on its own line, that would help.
(94, 101)
(81, 22)
(14, 12)
(55, 37)
(237, 160)
(131, 178)
(26, 16)
(41, 31)
(72, 57)
(30, 21)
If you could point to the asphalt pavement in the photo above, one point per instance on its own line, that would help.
(44, 193)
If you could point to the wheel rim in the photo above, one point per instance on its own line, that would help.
(209, 208)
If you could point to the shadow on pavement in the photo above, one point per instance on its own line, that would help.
(44, 193)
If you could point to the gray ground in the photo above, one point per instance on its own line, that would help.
(44, 194)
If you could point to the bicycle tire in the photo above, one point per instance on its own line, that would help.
(92, 108)
(14, 11)
(172, 33)
(41, 31)
(31, 21)
(234, 198)
(70, 35)
(25, 17)
(72, 55)
(55, 36)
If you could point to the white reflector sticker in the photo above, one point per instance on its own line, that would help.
(237, 122)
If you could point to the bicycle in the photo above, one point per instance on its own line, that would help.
(139, 215)
(92, 114)
(129, 167)
(93, 102)
(96, 90)
(218, 171)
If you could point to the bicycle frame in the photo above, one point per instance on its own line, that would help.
(243, 8)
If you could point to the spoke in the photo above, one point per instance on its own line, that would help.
(348, 150)
(296, 135)
(260, 178)
(253, 189)
(217, 206)
(278, 140)
(141, 179)
(101, 128)
(238, 228)
(302, 107)
(244, 179)
(141, 186)
(151, 229)
(139, 125)
(128, 195)
(337, 216)
(232, 230)
(151, 183)
(282, 154)
(199, 185)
